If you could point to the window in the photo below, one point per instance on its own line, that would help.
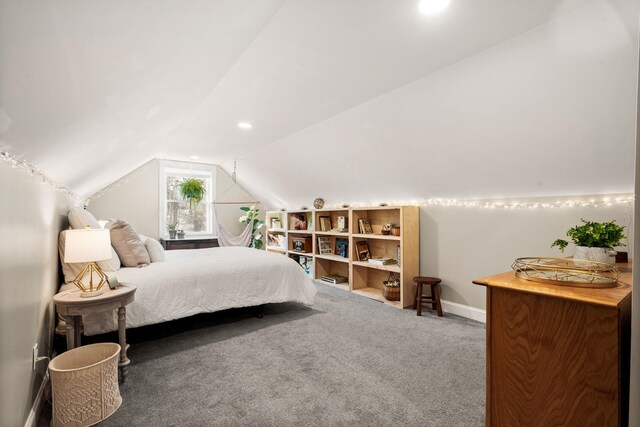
(195, 220)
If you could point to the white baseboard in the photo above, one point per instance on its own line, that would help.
(469, 312)
(36, 409)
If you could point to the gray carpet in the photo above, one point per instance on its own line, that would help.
(347, 360)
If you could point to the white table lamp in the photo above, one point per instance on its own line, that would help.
(88, 245)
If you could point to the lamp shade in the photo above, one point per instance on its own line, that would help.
(87, 245)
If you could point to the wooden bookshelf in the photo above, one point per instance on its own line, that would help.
(363, 278)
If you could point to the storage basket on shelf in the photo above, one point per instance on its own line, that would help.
(84, 384)
(391, 288)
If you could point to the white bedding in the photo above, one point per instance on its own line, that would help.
(189, 282)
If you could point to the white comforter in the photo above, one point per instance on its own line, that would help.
(205, 280)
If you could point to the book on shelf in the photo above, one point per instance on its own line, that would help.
(365, 226)
(342, 247)
(334, 278)
(381, 261)
(362, 249)
(324, 246)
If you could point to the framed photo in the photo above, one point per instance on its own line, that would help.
(300, 222)
(325, 223)
(324, 246)
(365, 226)
(275, 223)
(342, 223)
(362, 249)
(342, 248)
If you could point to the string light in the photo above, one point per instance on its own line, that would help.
(510, 204)
(34, 172)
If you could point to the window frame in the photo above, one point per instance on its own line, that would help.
(192, 170)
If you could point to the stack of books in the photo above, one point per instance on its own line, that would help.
(381, 261)
(334, 279)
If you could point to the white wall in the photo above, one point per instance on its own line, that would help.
(460, 244)
(135, 198)
(31, 216)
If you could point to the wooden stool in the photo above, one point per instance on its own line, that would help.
(435, 294)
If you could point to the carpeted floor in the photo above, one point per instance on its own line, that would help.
(348, 360)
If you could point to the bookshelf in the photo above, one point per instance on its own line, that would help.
(276, 223)
(363, 278)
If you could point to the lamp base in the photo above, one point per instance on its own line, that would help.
(91, 294)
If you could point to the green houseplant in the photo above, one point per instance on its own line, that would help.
(252, 216)
(594, 240)
(172, 230)
(193, 190)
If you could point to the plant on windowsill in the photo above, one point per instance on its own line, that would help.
(180, 234)
(594, 240)
(172, 230)
(252, 216)
(193, 190)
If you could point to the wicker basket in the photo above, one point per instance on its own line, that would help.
(84, 382)
(391, 293)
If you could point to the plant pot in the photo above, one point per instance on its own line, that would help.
(172, 234)
(181, 235)
(607, 255)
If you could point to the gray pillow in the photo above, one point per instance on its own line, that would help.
(128, 244)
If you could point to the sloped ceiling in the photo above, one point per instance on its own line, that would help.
(359, 100)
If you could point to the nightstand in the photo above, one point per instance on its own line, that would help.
(72, 306)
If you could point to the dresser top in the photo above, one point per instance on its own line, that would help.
(611, 297)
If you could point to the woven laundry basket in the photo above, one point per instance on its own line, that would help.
(84, 382)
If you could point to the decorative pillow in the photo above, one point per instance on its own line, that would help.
(81, 218)
(127, 243)
(71, 270)
(155, 249)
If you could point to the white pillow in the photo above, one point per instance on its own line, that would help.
(127, 243)
(155, 249)
(81, 218)
(71, 270)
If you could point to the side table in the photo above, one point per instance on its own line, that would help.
(71, 306)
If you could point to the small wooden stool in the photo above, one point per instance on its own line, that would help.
(435, 294)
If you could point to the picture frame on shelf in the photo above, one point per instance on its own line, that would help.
(342, 247)
(324, 246)
(362, 250)
(364, 226)
(325, 223)
(276, 223)
(300, 222)
(342, 222)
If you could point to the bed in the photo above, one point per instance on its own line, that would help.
(196, 281)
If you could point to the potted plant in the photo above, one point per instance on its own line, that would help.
(594, 240)
(252, 216)
(180, 234)
(172, 230)
(193, 190)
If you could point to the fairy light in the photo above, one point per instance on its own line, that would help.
(508, 204)
(34, 172)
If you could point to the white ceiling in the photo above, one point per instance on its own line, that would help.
(357, 100)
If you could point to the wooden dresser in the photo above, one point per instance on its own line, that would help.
(190, 243)
(557, 355)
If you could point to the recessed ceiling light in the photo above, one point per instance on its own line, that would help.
(431, 7)
(245, 125)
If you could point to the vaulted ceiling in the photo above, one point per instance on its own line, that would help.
(353, 100)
